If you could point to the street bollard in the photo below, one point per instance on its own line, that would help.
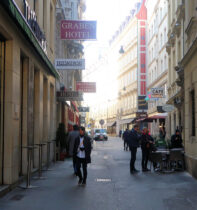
(29, 165)
(40, 161)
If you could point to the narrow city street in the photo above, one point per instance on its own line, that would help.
(110, 186)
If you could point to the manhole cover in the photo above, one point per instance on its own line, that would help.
(103, 180)
(17, 197)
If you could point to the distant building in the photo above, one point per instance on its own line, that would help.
(130, 43)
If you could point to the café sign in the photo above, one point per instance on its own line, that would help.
(157, 93)
(78, 30)
(69, 96)
(70, 64)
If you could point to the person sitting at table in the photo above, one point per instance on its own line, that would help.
(176, 140)
(146, 143)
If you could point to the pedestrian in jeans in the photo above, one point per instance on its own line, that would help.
(71, 141)
(133, 141)
(146, 144)
(82, 151)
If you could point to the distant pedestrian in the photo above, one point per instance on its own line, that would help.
(176, 140)
(82, 152)
(146, 144)
(71, 141)
(120, 133)
(134, 138)
(125, 137)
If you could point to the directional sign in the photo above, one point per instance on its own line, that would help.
(83, 109)
(69, 96)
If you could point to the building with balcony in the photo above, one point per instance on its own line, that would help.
(157, 60)
(129, 42)
(27, 96)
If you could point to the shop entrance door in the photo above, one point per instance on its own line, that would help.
(2, 95)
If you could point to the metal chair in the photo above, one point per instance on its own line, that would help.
(154, 158)
(175, 157)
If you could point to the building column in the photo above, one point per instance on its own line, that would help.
(11, 114)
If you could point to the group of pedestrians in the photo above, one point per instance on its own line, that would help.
(132, 140)
(80, 150)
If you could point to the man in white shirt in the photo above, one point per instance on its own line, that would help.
(82, 151)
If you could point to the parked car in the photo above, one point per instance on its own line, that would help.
(100, 135)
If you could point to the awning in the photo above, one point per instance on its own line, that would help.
(111, 124)
(126, 121)
(151, 118)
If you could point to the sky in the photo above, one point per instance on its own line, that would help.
(109, 15)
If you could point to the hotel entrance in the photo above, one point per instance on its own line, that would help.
(2, 95)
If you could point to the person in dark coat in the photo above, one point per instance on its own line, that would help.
(120, 133)
(133, 142)
(125, 137)
(146, 143)
(176, 140)
(82, 152)
(71, 141)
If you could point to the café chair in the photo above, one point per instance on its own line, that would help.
(174, 158)
(156, 158)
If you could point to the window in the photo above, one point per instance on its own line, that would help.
(193, 117)
(161, 66)
(165, 63)
(165, 36)
(161, 40)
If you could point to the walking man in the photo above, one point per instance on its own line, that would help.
(82, 152)
(71, 141)
(134, 138)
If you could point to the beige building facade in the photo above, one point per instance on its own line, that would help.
(188, 76)
(175, 49)
(28, 100)
(157, 60)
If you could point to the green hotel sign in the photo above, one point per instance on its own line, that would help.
(12, 9)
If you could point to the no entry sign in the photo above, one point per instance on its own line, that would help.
(78, 30)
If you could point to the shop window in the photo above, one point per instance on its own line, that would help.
(193, 117)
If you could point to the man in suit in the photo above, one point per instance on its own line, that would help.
(133, 141)
(82, 152)
(71, 141)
